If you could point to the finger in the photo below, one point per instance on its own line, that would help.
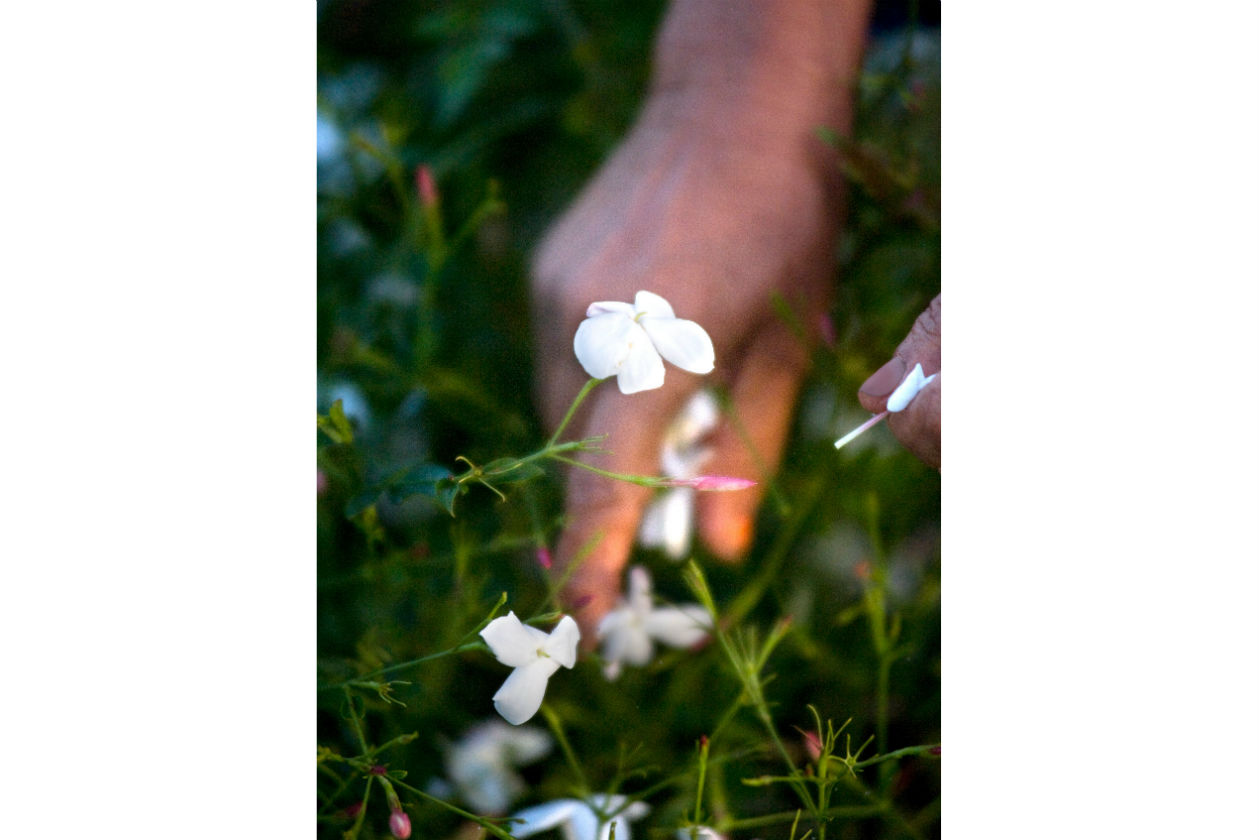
(602, 514)
(921, 346)
(918, 425)
(763, 395)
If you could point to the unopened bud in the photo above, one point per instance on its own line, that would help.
(712, 482)
(544, 557)
(813, 745)
(827, 330)
(426, 187)
(400, 825)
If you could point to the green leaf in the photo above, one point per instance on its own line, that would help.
(448, 489)
(336, 425)
(421, 479)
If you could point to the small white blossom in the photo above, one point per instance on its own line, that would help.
(700, 832)
(534, 655)
(629, 630)
(578, 820)
(629, 340)
(909, 387)
(668, 522)
(482, 763)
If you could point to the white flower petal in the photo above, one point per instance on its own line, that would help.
(602, 343)
(623, 815)
(542, 817)
(513, 643)
(652, 525)
(681, 342)
(908, 389)
(652, 304)
(636, 645)
(525, 744)
(678, 516)
(584, 825)
(680, 626)
(641, 368)
(600, 307)
(562, 644)
(639, 592)
(521, 694)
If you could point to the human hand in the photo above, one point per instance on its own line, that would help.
(918, 425)
(715, 225)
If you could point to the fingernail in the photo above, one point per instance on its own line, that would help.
(885, 380)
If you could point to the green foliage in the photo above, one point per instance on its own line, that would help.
(430, 517)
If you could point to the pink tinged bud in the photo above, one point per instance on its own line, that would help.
(712, 482)
(827, 330)
(544, 557)
(321, 483)
(935, 751)
(813, 745)
(400, 825)
(426, 187)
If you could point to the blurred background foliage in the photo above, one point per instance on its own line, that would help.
(424, 337)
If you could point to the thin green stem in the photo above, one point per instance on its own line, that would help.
(553, 721)
(703, 766)
(641, 480)
(388, 669)
(783, 817)
(481, 821)
(577, 401)
(895, 754)
(354, 720)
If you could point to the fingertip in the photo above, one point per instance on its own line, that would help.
(918, 426)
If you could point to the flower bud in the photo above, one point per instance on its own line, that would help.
(712, 482)
(426, 187)
(544, 557)
(400, 825)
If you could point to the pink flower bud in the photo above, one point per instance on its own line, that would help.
(544, 557)
(400, 825)
(827, 330)
(426, 187)
(813, 745)
(712, 482)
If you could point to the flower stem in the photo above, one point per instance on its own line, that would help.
(577, 401)
(641, 480)
(553, 721)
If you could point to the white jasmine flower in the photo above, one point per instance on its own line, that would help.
(701, 832)
(578, 820)
(629, 630)
(535, 655)
(482, 764)
(668, 522)
(629, 340)
(909, 387)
